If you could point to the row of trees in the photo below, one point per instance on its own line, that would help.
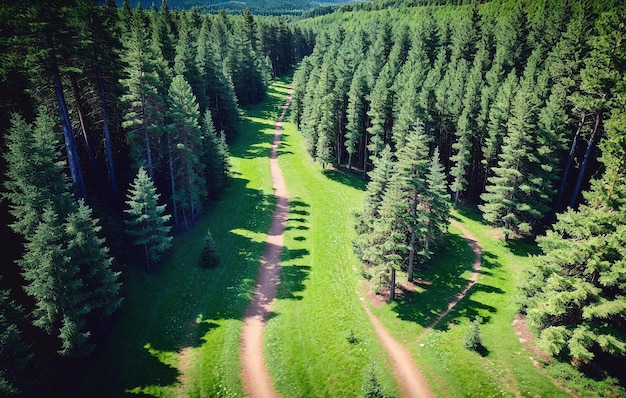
(66, 266)
(575, 297)
(503, 90)
(145, 99)
(406, 210)
(523, 104)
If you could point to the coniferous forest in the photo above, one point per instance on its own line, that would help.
(116, 121)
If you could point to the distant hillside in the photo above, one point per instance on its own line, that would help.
(258, 5)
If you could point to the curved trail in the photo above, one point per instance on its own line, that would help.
(257, 381)
(410, 379)
(473, 242)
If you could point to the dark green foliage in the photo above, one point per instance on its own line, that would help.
(210, 256)
(371, 386)
(147, 219)
(186, 146)
(472, 339)
(15, 353)
(34, 178)
(65, 264)
(574, 299)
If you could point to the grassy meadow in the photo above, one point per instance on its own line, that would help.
(318, 341)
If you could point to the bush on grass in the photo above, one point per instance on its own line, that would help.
(473, 340)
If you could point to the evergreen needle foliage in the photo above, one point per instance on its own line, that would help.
(210, 256)
(147, 219)
(472, 340)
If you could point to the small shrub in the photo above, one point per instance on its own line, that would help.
(472, 338)
(352, 339)
(210, 257)
(371, 386)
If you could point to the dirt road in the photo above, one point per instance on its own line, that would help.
(256, 379)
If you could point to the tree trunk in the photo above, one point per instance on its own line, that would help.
(145, 249)
(68, 134)
(583, 166)
(108, 144)
(392, 288)
(83, 127)
(172, 184)
(411, 257)
(144, 116)
(568, 165)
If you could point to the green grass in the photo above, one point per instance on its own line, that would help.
(181, 304)
(307, 344)
(504, 367)
(319, 341)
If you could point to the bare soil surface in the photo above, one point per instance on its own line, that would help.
(410, 379)
(256, 378)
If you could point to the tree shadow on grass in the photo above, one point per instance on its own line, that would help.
(292, 279)
(161, 310)
(441, 282)
(346, 177)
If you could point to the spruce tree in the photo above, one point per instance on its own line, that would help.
(412, 166)
(35, 177)
(209, 256)
(379, 178)
(87, 250)
(437, 201)
(387, 247)
(144, 108)
(54, 282)
(380, 111)
(15, 353)
(147, 219)
(355, 113)
(185, 141)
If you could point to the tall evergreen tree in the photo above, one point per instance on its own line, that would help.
(147, 219)
(15, 353)
(186, 147)
(35, 177)
(143, 119)
(379, 178)
(53, 281)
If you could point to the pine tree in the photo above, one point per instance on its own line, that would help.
(34, 178)
(356, 113)
(143, 119)
(147, 219)
(54, 283)
(15, 353)
(379, 178)
(87, 250)
(186, 145)
(210, 256)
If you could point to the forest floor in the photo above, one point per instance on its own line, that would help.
(256, 378)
